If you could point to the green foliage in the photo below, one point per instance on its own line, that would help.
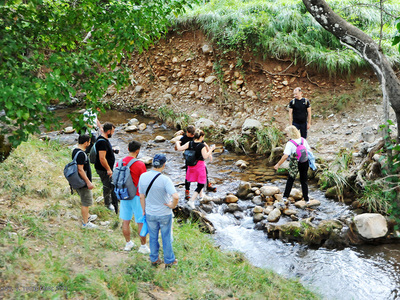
(268, 138)
(46, 56)
(385, 192)
(178, 120)
(337, 171)
(284, 29)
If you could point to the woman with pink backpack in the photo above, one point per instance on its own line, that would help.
(297, 149)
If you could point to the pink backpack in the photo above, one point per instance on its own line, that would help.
(301, 151)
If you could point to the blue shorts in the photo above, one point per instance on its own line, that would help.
(130, 208)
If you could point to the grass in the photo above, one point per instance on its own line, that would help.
(268, 138)
(177, 120)
(44, 248)
(375, 200)
(284, 29)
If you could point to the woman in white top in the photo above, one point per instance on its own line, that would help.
(295, 139)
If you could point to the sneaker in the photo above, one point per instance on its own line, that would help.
(129, 245)
(187, 195)
(92, 218)
(156, 263)
(144, 249)
(191, 204)
(111, 207)
(174, 263)
(89, 225)
(210, 188)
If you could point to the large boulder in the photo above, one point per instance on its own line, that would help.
(269, 190)
(204, 123)
(371, 226)
(274, 215)
(244, 190)
(251, 124)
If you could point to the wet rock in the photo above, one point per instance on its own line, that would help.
(371, 226)
(238, 215)
(133, 121)
(208, 208)
(159, 139)
(257, 217)
(258, 209)
(313, 203)
(268, 209)
(69, 130)
(241, 164)
(142, 126)
(296, 194)
(290, 212)
(231, 198)
(147, 160)
(269, 190)
(131, 128)
(331, 193)
(278, 197)
(244, 190)
(274, 215)
(280, 205)
(301, 204)
(257, 200)
(232, 207)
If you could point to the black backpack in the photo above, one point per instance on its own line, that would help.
(190, 155)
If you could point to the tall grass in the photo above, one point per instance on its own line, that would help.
(284, 29)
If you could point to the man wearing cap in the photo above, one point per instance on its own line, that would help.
(155, 191)
(300, 112)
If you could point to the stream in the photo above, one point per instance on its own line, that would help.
(364, 272)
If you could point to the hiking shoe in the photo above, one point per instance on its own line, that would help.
(210, 188)
(156, 263)
(174, 263)
(92, 218)
(129, 245)
(191, 204)
(144, 249)
(89, 225)
(187, 195)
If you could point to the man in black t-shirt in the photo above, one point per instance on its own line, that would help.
(300, 112)
(104, 165)
(85, 193)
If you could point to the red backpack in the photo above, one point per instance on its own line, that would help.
(301, 151)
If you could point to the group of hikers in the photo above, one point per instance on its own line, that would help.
(155, 195)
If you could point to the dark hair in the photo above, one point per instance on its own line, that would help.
(191, 129)
(133, 146)
(108, 126)
(198, 133)
(83, 138)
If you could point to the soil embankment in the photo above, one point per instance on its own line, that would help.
(187, 74)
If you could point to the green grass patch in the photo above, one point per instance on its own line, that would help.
(284, 29)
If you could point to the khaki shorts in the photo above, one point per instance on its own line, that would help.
(86, 196)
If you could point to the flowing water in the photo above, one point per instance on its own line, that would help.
(367, 272)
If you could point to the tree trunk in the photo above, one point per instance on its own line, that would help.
(365, 46)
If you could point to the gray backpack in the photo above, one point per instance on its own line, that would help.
(72, 174)
(124, 187)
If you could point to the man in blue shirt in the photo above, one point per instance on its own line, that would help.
(157, 206)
